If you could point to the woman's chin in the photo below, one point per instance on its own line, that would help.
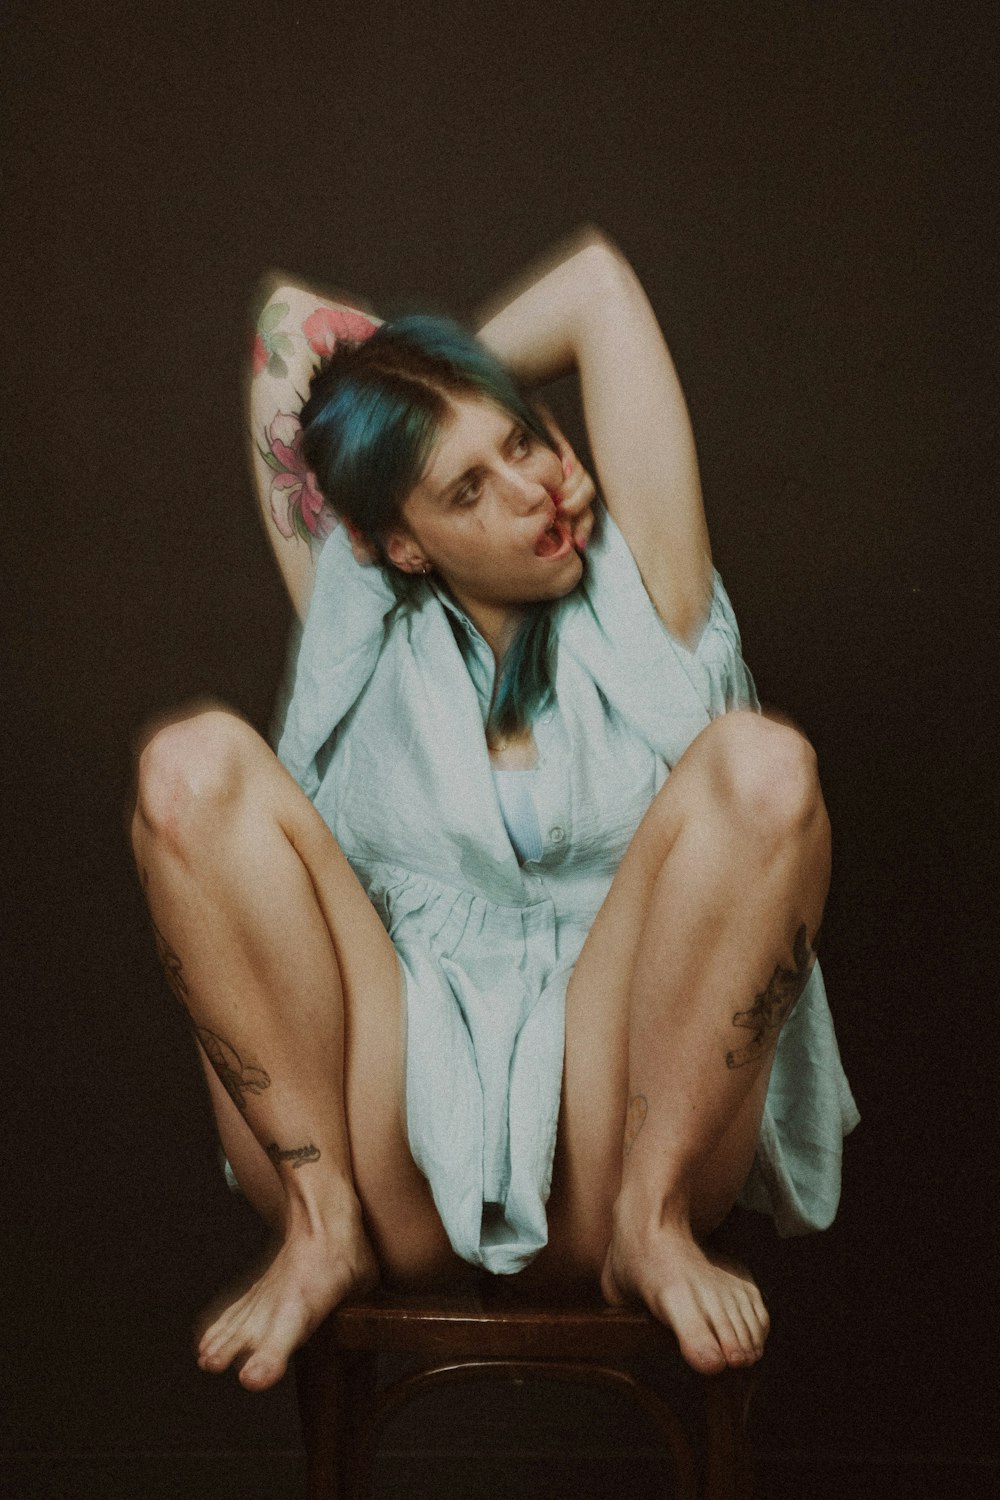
(566, 570)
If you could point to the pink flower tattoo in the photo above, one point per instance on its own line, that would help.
(297, 506)
(326, 325)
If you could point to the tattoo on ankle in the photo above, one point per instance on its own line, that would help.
(635, 1119)
(237, 1077)
(297, 1155)
(771, 1008)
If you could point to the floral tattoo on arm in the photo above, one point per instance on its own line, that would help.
(298, 508)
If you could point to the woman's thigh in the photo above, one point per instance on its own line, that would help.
(399, 1207)
(588, 1161)
(332, 909)
(586, 1171)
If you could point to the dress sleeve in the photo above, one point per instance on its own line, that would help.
(343, 635)
(666, 690)
(718, 657)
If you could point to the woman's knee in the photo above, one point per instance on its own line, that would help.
(188, 771)
(764, 773)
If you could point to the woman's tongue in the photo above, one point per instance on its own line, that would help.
(551, 540)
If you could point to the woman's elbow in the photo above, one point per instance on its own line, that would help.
(607, 272)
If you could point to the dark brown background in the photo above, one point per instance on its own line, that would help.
(806, 192)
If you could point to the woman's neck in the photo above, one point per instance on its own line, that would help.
(497, 624)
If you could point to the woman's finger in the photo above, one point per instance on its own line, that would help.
(577, 491)
(582, 529)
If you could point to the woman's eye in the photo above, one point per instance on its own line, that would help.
(522, 443)
(469, 494)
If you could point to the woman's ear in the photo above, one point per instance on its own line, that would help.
(403, 552)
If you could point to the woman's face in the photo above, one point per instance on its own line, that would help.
(484, 517)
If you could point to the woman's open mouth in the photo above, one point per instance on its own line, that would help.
(555, 541)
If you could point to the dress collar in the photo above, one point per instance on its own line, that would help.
(478, 658)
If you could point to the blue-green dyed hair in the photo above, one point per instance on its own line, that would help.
(375, 410)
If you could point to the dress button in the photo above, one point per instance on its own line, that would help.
(556, 835)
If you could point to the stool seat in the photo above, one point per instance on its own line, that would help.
(492, 1329)
(486, 1319)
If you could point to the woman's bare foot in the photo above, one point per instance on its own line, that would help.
(713, 1306)
(315, 1268)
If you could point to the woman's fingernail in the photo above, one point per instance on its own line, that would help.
(567, 467)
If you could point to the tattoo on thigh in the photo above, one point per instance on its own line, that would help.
(635, 1119)
(299, 1156)
(237, 1077)
(770, 1009)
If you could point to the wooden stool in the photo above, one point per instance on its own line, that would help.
(489, 1331)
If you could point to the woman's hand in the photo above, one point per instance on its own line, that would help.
(576, 493)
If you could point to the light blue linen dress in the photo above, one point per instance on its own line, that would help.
(384, 732)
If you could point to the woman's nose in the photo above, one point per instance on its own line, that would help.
(525, 492)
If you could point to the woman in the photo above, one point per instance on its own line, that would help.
(505, 969)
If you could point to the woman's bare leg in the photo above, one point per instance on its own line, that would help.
(293, 988)
(697, 956)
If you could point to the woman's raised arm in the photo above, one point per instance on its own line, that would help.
(588, 310)
(296, 326)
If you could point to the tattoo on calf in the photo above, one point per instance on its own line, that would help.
(635, 1119)
(172, 967)
(237, 1077)
(299, 1156)
(770, 1009)
(170, 961)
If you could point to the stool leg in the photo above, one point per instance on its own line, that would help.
(727, 1447)
(335, 1390)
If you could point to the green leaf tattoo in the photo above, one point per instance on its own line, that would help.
(272, 316)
